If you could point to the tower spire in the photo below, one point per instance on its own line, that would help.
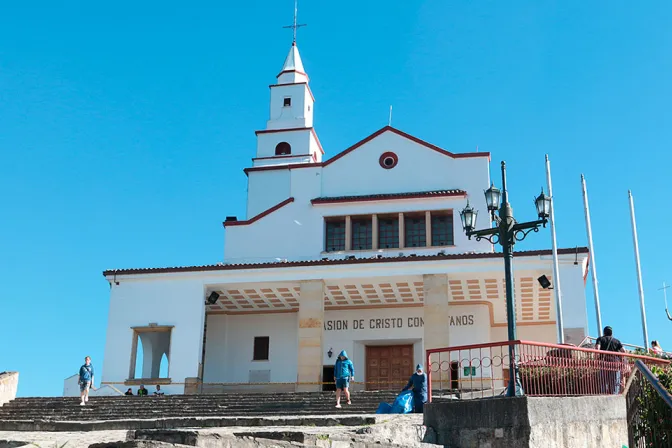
(294, 26)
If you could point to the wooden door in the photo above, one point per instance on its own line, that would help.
(388, 367)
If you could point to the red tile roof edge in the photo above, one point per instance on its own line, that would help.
(390, 196)
(259, 216)
(291, 264)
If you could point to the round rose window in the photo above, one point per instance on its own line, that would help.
(388, 160)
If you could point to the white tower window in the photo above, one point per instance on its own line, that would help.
(287, 102)
(283, 149)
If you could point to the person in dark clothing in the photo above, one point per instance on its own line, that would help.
(611, 364)
(142, 391)
(418, 384)
(129, 391)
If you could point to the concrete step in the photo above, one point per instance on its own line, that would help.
(119, 409)
(204, 406)
(89, 413)
(191, 422)
(194, 406)
(126, 411)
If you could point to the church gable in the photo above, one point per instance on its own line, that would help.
(405, 136)
(391, 161)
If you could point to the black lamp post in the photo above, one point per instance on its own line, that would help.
(506, 233)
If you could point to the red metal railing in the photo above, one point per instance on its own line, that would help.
(482, 370)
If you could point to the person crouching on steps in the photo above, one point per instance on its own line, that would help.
(344, 372)
(85, 380)
(418, 383)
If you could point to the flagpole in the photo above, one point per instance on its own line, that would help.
(639, 271)
(556, 270)
(593, 267)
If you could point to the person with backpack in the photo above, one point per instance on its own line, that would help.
(344, 372)
(85, 380)
(612, 372)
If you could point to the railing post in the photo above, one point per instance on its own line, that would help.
(428, 368)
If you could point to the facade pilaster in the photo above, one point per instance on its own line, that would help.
(435, 288)
(310, 333)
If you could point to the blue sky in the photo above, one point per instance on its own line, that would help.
(124, 129)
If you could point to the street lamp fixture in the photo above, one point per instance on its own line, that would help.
(543, 204)
(468, 216)
(506, 232)
(492, 199)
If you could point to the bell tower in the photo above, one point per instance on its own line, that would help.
(289, 136)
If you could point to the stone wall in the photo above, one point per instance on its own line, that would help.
(530, 422)
(9, 383)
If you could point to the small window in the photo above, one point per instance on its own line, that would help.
(362, 233)
(335, 235)
(442, 229)
(287, 102)
(415, 231)
(283, 149)
(261, 344)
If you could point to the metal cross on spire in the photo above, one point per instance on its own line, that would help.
(664, 288)
(294, 25)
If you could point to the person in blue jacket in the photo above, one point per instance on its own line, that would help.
(344, 372)
(418, 383)
(85, 380)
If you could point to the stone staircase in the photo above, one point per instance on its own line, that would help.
(128, 412)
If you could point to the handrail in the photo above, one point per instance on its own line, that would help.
(591, 340)
(541, 344)
(654, 382)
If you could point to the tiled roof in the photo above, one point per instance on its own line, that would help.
(332, 262)
(390, 196)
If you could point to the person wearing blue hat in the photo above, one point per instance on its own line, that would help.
(418, 384)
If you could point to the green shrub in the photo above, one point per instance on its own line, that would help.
(654, 423)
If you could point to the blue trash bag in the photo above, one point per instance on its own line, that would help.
(403, 404)
(384, 408)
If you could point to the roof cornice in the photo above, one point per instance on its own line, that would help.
(341, 262)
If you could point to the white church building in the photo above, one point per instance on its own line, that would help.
(362, 251)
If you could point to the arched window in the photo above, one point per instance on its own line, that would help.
(163, 367)
(283, 149)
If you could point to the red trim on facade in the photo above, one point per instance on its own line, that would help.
(410, 137)
(289, 166)
(391, 197)
(317, 139)
(295, 84)
(275, 131)
(366, 140)
(259, 216)
(291, 71)
(281, 157)
(292, 264)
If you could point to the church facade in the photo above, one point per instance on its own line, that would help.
(362, 252)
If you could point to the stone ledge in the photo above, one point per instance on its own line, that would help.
(188, 422)
(530, 422)
(147, 382)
